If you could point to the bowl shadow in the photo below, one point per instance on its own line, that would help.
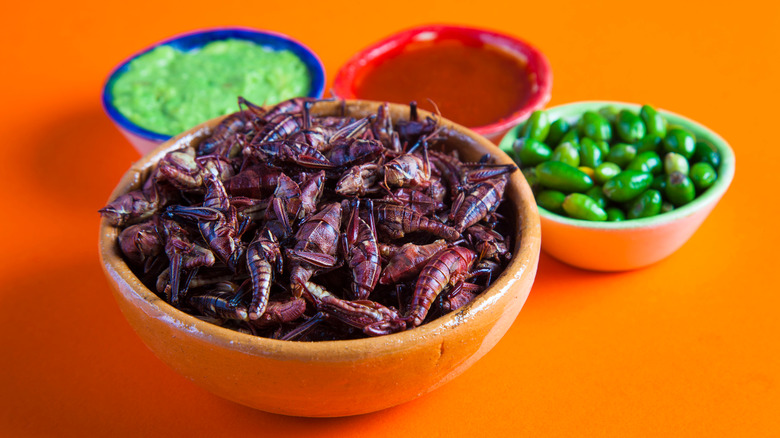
(80, 369)
(69, 160)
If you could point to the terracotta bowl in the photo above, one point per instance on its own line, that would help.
(333, 378)
(620, 246)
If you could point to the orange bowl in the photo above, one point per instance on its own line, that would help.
(635, 243)
(331, 378)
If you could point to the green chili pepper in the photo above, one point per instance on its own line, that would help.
(580, 206)
(566, 153)
(646, 205)
(654, 122)
(531, 152)
(551, 200)
(537, 126)
(561, 176)
(651, 143)
(706, 153)
(703, 176)
(675, 163)
(597, 195)
(621, 154)
(604, 146)
(615, 214)
(610, 113)
(558, 129)
(592, 125)
(590, 154)
(627, 185)
(630, 128)
(679, 189)
(659, 183)
(681, 142)
(671, 126)
(647, 161)
(606, 171)
(570, 137)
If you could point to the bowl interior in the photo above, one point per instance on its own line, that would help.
(572, 112)
(483, 308)
(537, 66)
(195, 40)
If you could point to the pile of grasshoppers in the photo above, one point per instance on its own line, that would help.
(292, 226)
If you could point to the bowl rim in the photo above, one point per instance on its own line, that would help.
(524, 261)
(573, 110)
(345, 76)
(307, 55)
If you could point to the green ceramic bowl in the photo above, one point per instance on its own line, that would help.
(619, 246)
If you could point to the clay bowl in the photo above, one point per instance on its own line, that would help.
(333, 378)
(636, 243)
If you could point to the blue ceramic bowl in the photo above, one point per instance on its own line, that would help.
(145, 140)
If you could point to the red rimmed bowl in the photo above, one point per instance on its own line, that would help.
(534, 76)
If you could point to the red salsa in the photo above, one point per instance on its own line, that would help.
(471, 85)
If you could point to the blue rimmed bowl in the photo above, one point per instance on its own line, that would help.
(635, 243)
(143, 139)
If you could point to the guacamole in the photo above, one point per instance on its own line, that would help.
(168, 91)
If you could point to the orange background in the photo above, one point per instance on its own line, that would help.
(687, 347)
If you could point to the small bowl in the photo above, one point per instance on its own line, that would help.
(537, 66)
(631, 244)
(331, 378)
(144, 140)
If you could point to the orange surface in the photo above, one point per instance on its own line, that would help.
(687, 347)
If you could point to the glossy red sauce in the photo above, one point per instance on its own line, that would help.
(471, 85)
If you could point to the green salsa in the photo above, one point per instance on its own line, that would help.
(168, 91)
